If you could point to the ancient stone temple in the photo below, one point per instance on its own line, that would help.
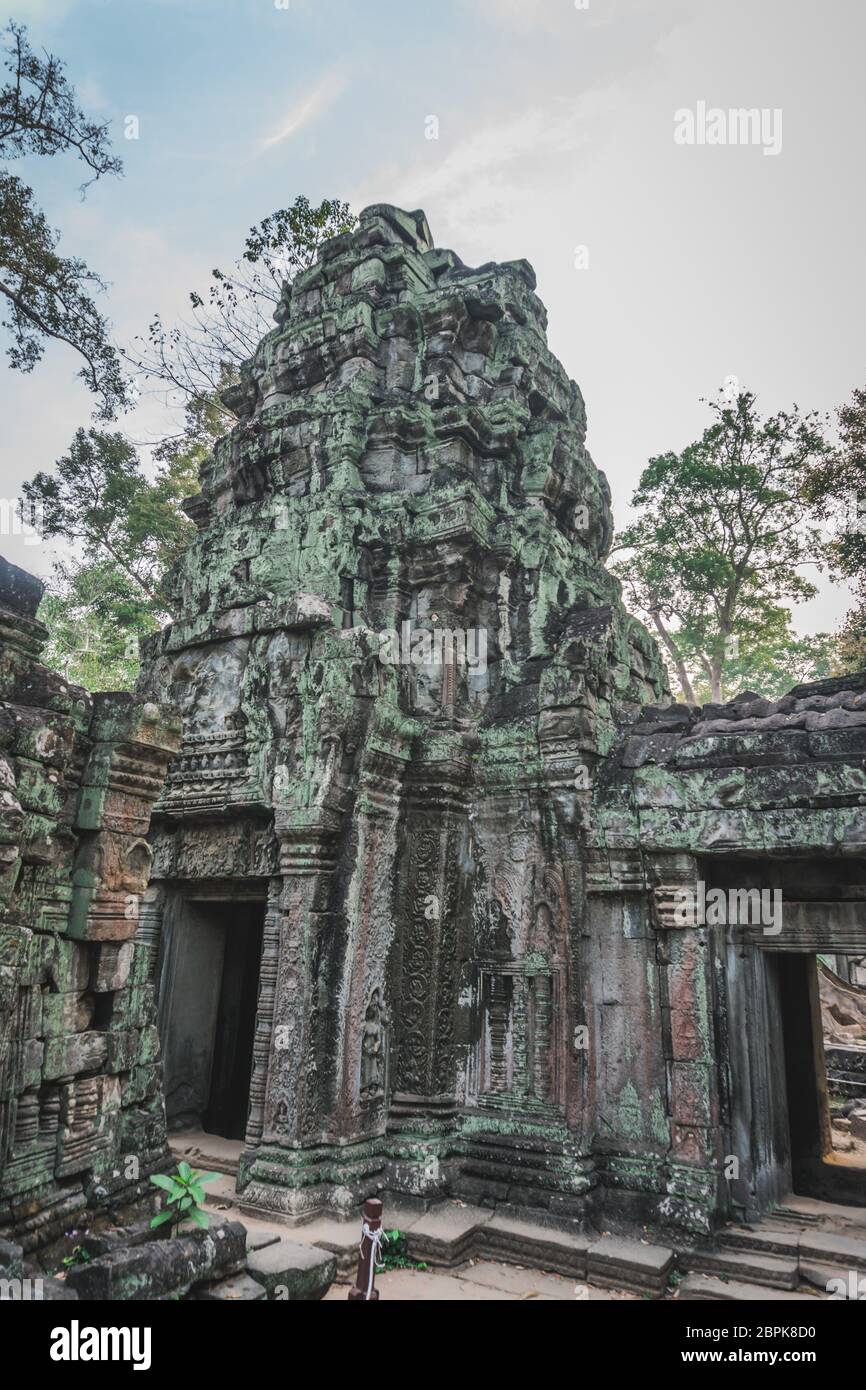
(394, 847)
(445, 895)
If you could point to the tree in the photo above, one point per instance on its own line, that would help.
(836, 486)
(46, 295)
(770, 658)
(100, 500)
(96, 617)
(198, 359)
(722, 532)
(130, 530)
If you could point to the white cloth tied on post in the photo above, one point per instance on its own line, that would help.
(377, 1239)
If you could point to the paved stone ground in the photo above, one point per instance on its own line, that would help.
(792, 1254)
(480, 1281)
(476, 1281)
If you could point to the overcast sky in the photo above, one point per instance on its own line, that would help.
(556, 129)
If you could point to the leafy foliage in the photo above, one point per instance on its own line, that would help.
(196, 360)
(186, 1197)
(716, 552)
(99, 498)
(129, 528)
(770, 658)
(48, 296)
(395, 1252)
(79, 1255)
(836, 485)
(96, 620)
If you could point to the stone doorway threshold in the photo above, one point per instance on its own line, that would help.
(207, 1151)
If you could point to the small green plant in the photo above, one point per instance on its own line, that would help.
(186, 1196)
(80, 1256)
(395, 1252)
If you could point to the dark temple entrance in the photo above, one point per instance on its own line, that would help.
(805, 1072)
(781, 1111)
(208, 996)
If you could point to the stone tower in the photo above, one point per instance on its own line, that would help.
(400, 663)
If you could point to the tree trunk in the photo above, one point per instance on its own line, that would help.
(674, 654)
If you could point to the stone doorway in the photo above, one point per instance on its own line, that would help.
(821, 1166)
(776, 1103)
(807, 1101)
(208, 996)
(780, 1101)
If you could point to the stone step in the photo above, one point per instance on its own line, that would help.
(292, 1272)
(812, 1211)
(749, 1266)
(338, 1238)
(831, 1247)
(615, 1263)
(800, 1214)
(342, 1238)
(222, 1191)
(771, 1239)
(706, 1287)
(524, 1283)
(514, 1241)
(830, 1280)
(446, 1234)
(208, 1152)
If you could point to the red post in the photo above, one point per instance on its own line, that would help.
(365, 1282)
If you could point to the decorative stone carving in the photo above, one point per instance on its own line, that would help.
(374, 1051)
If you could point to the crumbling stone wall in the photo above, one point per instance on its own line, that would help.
(81, 1118)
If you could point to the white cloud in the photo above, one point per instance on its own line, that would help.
(477, 171)
(308, 108)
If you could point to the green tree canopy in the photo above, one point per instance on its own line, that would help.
(127, 527)
(47, 295)
(716, 552)
(100, 500)
(836, 486)
(96, 617)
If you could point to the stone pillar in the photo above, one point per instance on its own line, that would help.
(431, 902)
(630, 1110)
(268, 972)
(685, 957)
